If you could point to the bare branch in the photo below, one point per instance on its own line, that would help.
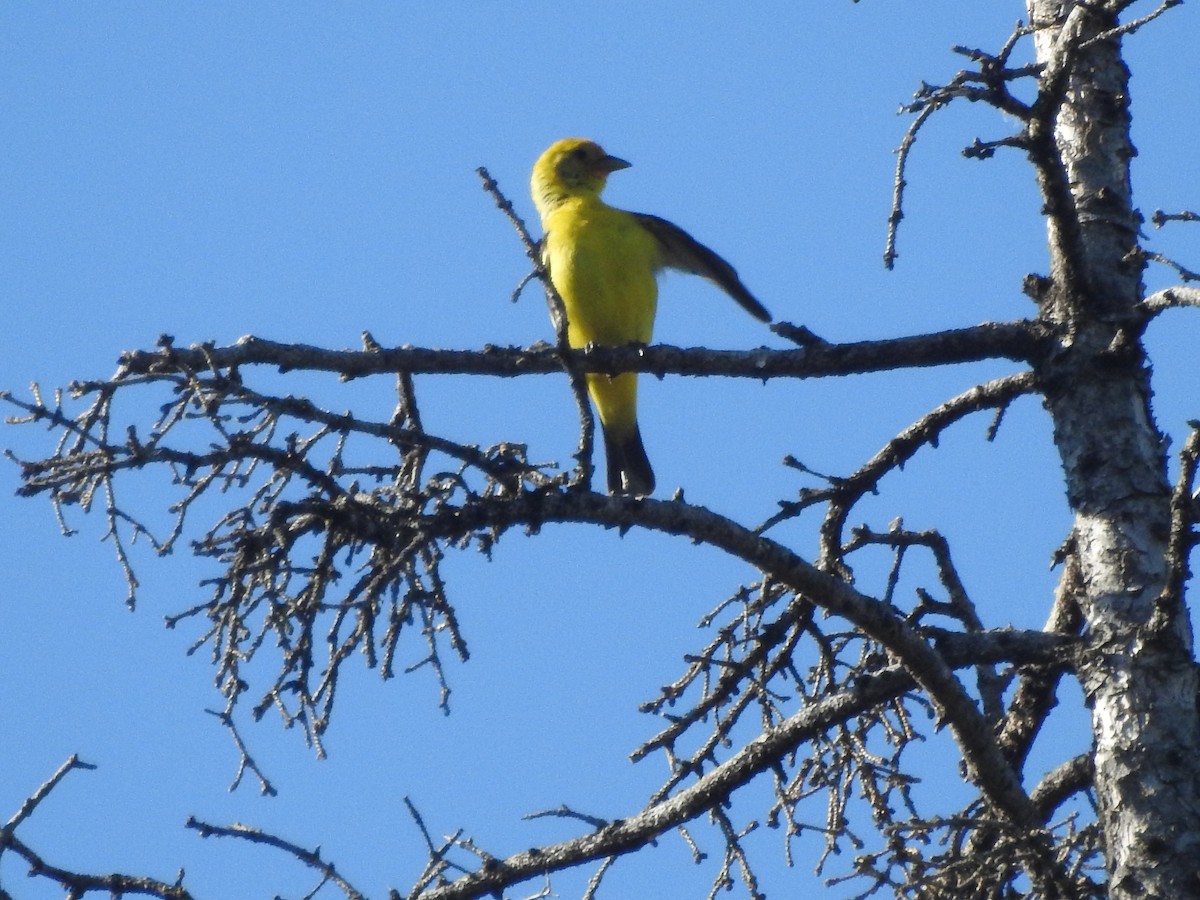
(34, 800)
(1161, 218)
(1172, 298)
(558, 316)
(989, 84)
(625, 834)
(1035, 693)
(1182, 271)
(1019, 341)
(246, 761)
(1185, 513)
(438, 863)
(78, 884)
(844, 493)
(629, 833)
(1069, 778)
(1130, 27)
(311, 858)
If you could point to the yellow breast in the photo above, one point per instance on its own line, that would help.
(603, 264)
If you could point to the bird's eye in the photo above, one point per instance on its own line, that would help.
(579, 153)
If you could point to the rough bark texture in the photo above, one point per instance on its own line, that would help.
(1138, 672)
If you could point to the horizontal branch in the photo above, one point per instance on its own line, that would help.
(1171, 298)
(1020, 340)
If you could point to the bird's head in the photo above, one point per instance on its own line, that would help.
(572, 167)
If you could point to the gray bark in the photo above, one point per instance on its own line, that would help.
(1137, 672)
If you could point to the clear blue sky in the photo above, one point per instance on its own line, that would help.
(305, 171)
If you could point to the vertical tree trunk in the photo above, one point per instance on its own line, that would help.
(1138, 671)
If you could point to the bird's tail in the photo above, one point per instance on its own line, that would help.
(629, 469)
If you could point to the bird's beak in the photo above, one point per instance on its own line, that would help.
(610, 164)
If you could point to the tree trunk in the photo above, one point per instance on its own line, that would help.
(1137, 670)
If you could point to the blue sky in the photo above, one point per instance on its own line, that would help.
(306, 171)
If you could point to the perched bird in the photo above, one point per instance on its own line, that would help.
(603, 263)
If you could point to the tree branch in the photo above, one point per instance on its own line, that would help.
(1020, 340)
(844, 493)
(987, 766)
(311, 858)
(558, 316)
(717, 785)
(1172, 298)
(78, 884)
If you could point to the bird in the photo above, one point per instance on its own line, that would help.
(604, 263)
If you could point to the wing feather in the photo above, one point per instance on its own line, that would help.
(679, 250)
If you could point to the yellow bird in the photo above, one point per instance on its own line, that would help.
(604, 264)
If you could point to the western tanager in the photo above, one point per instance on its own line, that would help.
(603, 263)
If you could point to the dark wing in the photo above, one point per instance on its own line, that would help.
(682, 251)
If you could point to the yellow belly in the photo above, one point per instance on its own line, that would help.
(603, 265)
